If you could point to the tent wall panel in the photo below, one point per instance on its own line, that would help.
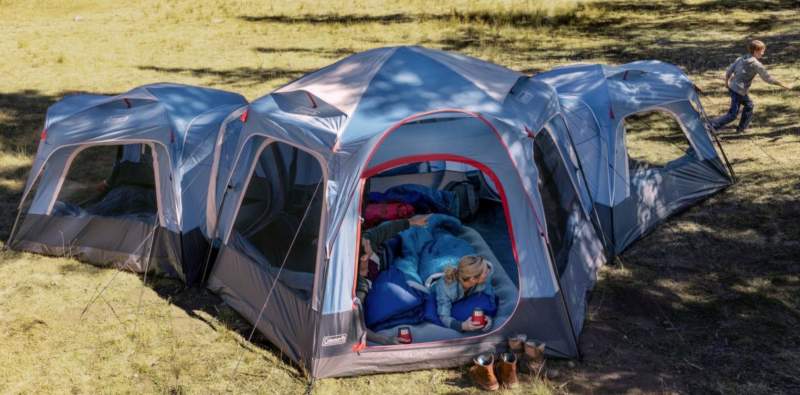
(381, 109)
(285, 319)
(550, 327)
(124, 244)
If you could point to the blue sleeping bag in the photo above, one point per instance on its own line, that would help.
(429, 249)
(393, 302)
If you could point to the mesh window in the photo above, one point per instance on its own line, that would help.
(279, 217)
(654, 139)
(110, 181)
(559, 198)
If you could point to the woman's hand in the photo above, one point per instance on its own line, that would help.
(468, 326)
(488, 324)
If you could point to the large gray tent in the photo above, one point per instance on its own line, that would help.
(317, 146)
(632, 199)
(152, 148)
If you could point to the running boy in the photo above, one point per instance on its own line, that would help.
(738, 78)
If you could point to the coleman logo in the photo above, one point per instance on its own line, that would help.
(334, 340)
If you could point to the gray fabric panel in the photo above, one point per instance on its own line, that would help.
(657, 193)
(119, 260)
(166, 254)
(339, 333)
(541, 319)
(586, 255)
(98, 240)
(287, 321)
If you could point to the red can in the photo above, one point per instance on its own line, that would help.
(404, 334)
(478, 318)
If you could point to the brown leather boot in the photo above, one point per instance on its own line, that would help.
(483, 373)
(534, 357)
(516, 344)
(507, 370)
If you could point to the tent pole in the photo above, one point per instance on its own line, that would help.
(13, 229)
(278, 275)
(203, 274)
(563, 298)
(310, 386)
(716, 138)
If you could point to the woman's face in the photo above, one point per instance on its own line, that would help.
(467, 282)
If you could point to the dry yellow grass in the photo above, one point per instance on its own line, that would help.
(709, 295)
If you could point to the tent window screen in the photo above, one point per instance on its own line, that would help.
(559, 198)
(280, 214)
(654, 139)
(110, 181)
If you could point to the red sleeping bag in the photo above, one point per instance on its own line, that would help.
(375, 213)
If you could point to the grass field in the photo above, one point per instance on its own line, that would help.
(708, 303)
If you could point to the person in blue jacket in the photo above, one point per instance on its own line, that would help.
(473, 275)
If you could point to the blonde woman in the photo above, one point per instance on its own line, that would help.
(471, 276)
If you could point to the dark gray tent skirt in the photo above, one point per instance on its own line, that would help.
(104, 241)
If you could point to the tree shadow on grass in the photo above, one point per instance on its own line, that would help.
(324, 52)
(21, 119)
(518, 19)
(625, 39)
(706, 303)
(197, 300)
(240, 76)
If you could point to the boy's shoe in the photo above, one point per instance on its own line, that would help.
(482, 373)
(516, 344)
(507, 370)
(534, 357)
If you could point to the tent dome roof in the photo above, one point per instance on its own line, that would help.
(376, 88)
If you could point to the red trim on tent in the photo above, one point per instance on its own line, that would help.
(127, 103)
(503, 197)
(311, 98)
(474, 115)
(358, 238)
(479, 165)
(244, 115)
(360, 346)
(529, 133)
(453, 158)
(43, 136)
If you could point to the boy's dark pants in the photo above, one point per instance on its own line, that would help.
(737, 100)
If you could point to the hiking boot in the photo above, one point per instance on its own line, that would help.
(482, 373)
(507, 370)
(516, 344)
(534, 357)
